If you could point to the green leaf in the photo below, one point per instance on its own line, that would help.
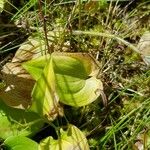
(45, 99)
(20, 143)
(35, 67)
(75, 79)
(18, 122)
(72, 139)
(67, 77)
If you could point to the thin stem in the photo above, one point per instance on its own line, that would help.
(78, 32)
(79, 1)
(44, 26)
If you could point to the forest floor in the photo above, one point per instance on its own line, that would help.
(117, 35)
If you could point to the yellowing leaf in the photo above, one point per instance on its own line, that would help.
(35, 67)
(69, 78)
(32, 48)
(72, 139)
(45, 99)
(75, 78)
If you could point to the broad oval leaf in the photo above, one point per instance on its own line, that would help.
(18, 122)
(75, 78)
(72, 139)
(20, 143)
(32, 48)
(66, 77)
(45, 99)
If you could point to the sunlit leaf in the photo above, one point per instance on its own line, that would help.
(75, 78)
(45, 99)
(32, 48)
(35, 67)
(20, 143)
(72, 139)
(18, 122)
(67, 77)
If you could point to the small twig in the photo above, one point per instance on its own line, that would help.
(79, 1)
(44, 26)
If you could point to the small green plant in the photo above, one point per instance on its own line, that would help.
(66, 78)
(73, 138)
(60, 79)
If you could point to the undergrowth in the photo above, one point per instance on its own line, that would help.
(125, 76)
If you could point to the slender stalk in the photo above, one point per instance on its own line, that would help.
(79, 1)
(44, 25)
(78, 32)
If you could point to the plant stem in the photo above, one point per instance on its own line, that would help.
(90, 33)
(44, 26)
(79, 3)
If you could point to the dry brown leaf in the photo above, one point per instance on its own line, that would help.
(19, 83)
(32, 48)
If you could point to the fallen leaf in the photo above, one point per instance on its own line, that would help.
(19, 83)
